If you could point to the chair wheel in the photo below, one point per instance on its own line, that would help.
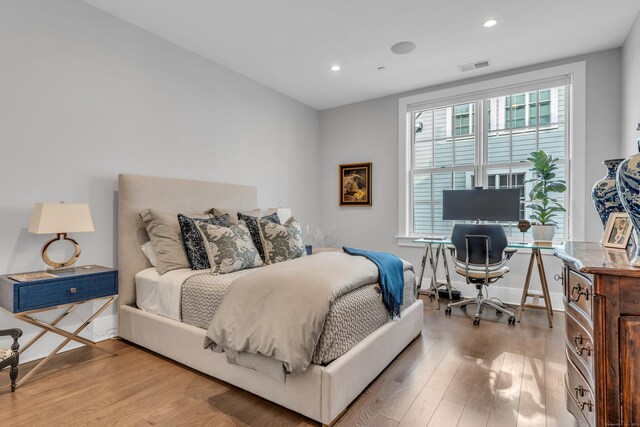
(476, 321)
(447, 310)
(512, 320)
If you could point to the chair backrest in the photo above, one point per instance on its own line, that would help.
(477, 250)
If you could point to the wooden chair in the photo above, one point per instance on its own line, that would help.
(10, 356)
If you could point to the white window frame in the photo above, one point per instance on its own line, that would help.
(538, 79)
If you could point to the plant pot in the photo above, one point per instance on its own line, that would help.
(543, 233)
(605, 192)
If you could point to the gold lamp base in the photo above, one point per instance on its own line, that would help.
(61, 267)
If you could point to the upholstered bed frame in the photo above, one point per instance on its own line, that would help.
(322, 392)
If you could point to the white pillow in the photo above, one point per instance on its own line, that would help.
(147, 250)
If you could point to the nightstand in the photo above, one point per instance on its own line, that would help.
(69, 290)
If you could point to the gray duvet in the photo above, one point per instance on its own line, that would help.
(272, 319)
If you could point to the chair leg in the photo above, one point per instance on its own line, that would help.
(480, 302)
(13, 374)
(499, 308)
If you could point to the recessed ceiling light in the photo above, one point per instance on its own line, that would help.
(402, 48)
(335, 68)
(490, 23)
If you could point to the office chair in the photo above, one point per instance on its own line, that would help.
(480, 254)
(10, 356)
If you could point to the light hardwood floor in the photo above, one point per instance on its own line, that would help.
(455, 374)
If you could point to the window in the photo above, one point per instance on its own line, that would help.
(484, 142)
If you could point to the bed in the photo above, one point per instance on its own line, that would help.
(321, 392)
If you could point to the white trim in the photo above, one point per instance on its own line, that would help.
(576, 168)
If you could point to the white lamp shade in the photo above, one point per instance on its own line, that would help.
(283, 213)
(53, 218)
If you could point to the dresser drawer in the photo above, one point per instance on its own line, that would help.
(580, 397)
(30, 296)
(580, 346)
(579, 292)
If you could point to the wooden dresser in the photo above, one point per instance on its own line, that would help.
(602, 303)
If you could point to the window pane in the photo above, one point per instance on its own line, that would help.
(561, 94)
(465, 151)
(523, 144)
(422, 203)
(423, 127)
(463, 118)
(463, 180)
(423, 154)
(422, 219)
(551, 140)
(422, 187)
(423, 146)
(442, 123)
(444, 153)
(498, 147)
(441, 181)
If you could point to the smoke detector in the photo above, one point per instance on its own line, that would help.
(474, 65)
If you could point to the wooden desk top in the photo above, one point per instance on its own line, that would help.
(593, 258)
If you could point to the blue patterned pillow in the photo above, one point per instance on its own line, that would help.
(192, 239)
(252, 224)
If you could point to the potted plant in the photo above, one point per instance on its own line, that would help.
(545, 208)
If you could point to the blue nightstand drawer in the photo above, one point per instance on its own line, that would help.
(65, 291)
(84, 284)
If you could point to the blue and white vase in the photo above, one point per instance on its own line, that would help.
(605, 192)
(628, 179)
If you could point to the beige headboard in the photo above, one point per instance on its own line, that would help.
(137, 193)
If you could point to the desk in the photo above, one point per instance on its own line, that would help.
(536, 257)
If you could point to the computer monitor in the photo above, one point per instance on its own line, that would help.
(483, 205)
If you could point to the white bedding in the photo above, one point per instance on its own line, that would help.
(161, 294)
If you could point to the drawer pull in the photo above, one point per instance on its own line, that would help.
(73, 290)
(577, 291)
(588, 404)
(577, 339)
(579, 391)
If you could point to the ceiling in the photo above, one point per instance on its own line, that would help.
(290, 45)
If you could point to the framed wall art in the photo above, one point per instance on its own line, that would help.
(355, 184)
(618, 231)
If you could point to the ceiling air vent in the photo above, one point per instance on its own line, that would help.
(474, 65)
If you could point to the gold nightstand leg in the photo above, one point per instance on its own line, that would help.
(44, 331)
(69, 337)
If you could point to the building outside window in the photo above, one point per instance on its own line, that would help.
(485, 143)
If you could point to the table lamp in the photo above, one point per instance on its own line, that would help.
(60, 219)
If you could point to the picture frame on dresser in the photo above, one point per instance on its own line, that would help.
(618, 231)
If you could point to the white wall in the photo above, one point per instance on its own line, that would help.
(631, 92)
(368, 131)
(85, 96)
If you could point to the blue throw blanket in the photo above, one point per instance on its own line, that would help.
(391, 277)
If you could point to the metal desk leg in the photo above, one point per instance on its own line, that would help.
(446, 271)
(434, 283)
(424, 264)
